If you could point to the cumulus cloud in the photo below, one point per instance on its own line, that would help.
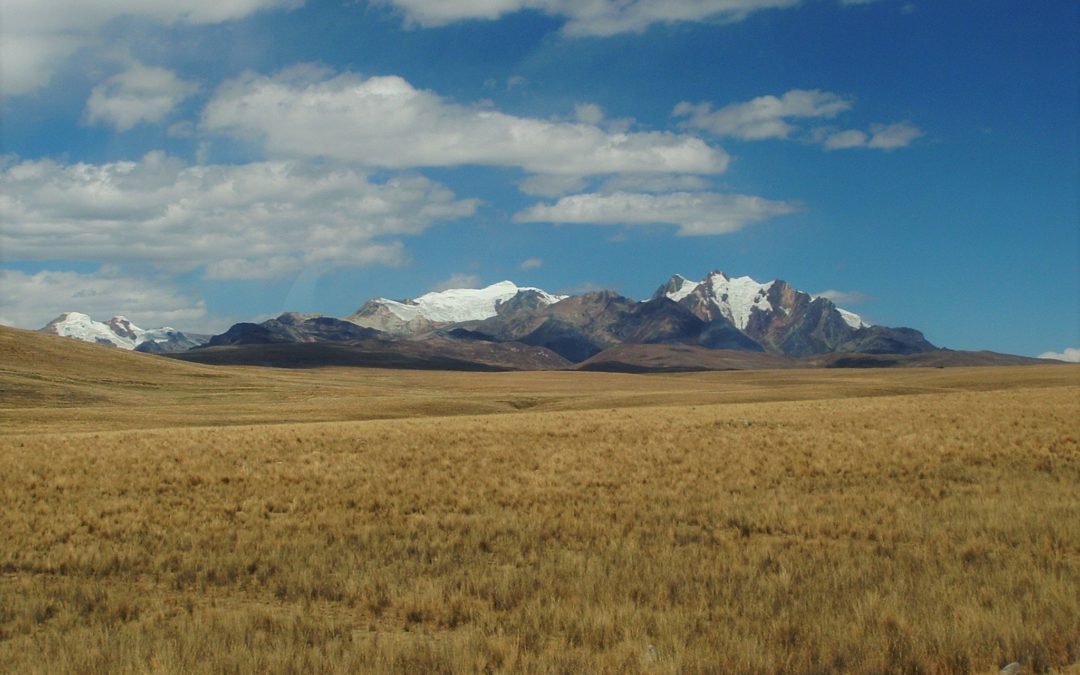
(139, 94)
(36, 36)
(844, 297)
(531, 264)
(1071, 354)
(763, 117)
(458, 280)
(695, 213)
(596, 17)
(263, 219)
(386, 122)
(880, 137)
(32, 300)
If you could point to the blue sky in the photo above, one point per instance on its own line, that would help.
(238, 158)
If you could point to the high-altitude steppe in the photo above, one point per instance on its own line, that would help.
(164, 516)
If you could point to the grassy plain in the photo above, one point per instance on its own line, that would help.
(166, 517)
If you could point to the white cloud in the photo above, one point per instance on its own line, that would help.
(881, 137)
(763, 117)
(32, 300)
(139, 94)
(458, 280)
(531, 264)
(36, 36)
(842, 140)
(772, 117)
(264, 219)
(844, 297)
(695, 214)
(892, 136)
(591, 17)
(1071, 354)
(386, 122)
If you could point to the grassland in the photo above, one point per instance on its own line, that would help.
(166, 517)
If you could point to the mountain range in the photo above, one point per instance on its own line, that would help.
(120, 332)
(505, 326)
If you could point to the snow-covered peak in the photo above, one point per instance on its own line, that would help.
(121, 326)
(461, 304)
(118, 332)
(159, 335)
(678, 287)
(736, 297)
(852, 319)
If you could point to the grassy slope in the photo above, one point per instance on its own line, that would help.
(797, 521)
(50, 384)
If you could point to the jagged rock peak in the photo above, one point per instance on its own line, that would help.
(676, 288)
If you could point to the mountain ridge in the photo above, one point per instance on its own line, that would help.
(718, 312)
(120, 332)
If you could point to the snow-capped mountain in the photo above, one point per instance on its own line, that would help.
(718, 312)
(438, 308)
(120, 332)
(785, 320)
(735, 298)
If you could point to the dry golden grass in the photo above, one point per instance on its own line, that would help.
(811, 521)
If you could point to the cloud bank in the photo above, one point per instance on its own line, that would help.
(587, 18)
(880, 137)
(775, 117)
(763, 117)
(263, 219)
(386, 122)
(137, 95)
(37, 36)
(694, 213)
(1071, 354)
(32, 300)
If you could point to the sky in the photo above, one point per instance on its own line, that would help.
(200, 163)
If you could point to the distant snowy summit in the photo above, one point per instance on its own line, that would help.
(737, 298)
(785, 320)
(120, 332)
(717, 312)
(455, 305)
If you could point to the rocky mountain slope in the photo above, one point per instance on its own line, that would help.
(507, 326)
(581, 326)
(293, 327)
(784, 320)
